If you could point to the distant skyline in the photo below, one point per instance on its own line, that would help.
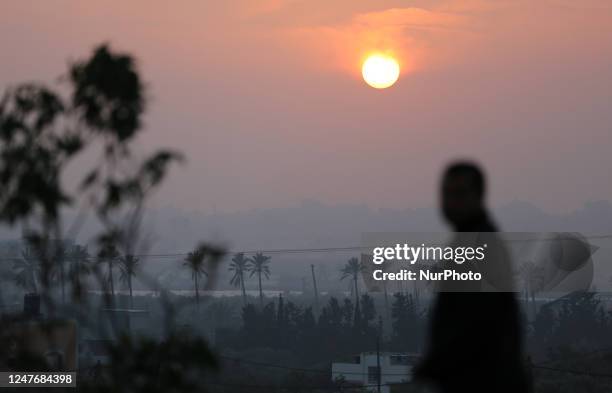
(266, 100)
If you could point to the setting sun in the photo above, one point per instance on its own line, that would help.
(380, 71)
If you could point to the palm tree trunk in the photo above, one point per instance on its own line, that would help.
(131, 297)
(356, 288)
(197, 293)
(315, 289)
(62, 283)
(34, 281)
(244, 297)
(260, 290)
(110, 279)
(386, 300)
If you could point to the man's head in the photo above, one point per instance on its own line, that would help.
(462, 193)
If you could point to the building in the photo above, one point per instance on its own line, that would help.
(53, 342)
(46, 343)
(362, 369)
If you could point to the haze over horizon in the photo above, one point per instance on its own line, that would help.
(266, 100)
(239, 196)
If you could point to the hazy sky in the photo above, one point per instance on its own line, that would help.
(266, 99)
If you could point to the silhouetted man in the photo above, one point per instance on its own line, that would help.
(475, 340)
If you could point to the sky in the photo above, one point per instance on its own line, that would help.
(266, 100)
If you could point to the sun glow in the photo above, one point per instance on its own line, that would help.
(380, 71)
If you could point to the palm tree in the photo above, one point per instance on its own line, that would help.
(259, 265)
(79, 260)
(195, 262)
(27, 270)
(128, 265)
(59, 259)
(239, 266)
(352, 269)
(386, 267)
(109, 255)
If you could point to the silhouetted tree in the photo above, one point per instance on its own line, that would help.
(331, 329)
(195, 263)
(368, 309)
(307, 321)
(239, 265)
(109, 255)
(406, 322)
(347, 312)
(128, 265)
(386, 267)
(357, 320)
(59, 263)
(581, 320)
(259, 265)
(27, 269)
(332, 315)
(351, 270)
(79, 267)
(41, 134)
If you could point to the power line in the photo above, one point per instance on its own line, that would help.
(268, 251)
(328, 249)
(277, 251)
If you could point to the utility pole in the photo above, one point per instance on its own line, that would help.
(316, 291)
(378, 370)
(378, 373)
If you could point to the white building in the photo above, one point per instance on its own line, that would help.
(362, 369)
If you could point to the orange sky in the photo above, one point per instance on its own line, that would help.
(266, 100)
